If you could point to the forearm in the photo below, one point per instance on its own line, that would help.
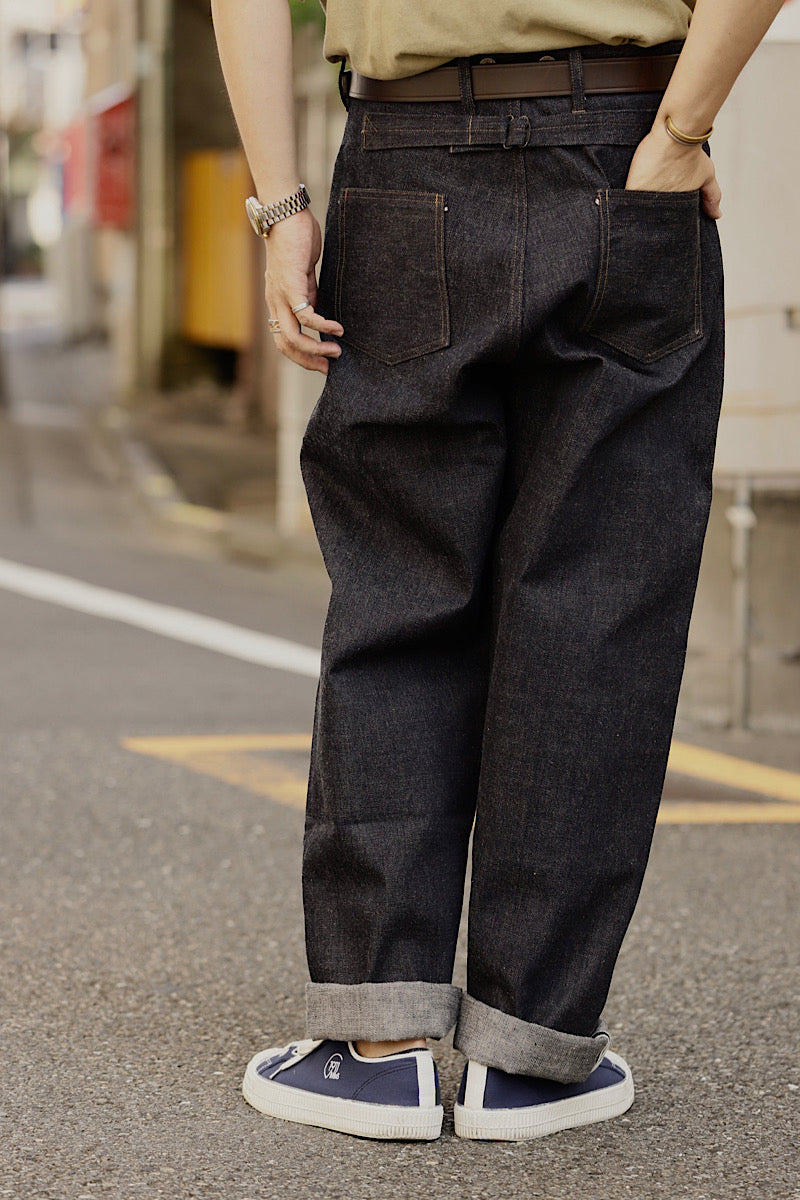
(254, 38)
(722, 36)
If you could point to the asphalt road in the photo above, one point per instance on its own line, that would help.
(151, 925)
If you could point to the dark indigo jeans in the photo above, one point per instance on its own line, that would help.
(509, 471)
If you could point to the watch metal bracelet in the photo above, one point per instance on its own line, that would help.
(264, 216)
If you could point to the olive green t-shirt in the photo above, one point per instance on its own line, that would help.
(388, 39)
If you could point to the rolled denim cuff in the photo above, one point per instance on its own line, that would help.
(495, 1039)
(381, 1012)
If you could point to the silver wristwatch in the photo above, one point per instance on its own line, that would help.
(264, 216)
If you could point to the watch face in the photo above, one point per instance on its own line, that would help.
(254, 213)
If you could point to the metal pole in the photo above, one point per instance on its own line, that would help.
(13, 436)
(4, 400)
(154, 217)
(742, 520)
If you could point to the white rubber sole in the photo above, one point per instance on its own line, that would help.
(519, 1124)
(358, 1117)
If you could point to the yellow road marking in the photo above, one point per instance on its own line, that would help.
(733, 772)
(726, 812)
(225, 757)
(261, 777)
(233, 759)
(178, 748)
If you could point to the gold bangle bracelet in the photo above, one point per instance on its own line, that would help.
(686, 139)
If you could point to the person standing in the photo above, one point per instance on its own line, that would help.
(520, 322)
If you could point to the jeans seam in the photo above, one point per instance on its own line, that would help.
(440, 266)
(605, 240)
(519, 236)
(698, 286)
(650, 356)
(342, 252)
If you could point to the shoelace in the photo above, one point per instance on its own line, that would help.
(302, 1047)
(298, 1050)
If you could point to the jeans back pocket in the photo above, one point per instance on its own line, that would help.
(647, 299)
(391, 294)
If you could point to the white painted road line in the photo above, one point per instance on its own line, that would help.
(177, 623)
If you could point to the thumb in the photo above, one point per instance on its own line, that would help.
(311, 287)
(712, 196)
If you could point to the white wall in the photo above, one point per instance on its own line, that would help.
(755, 150)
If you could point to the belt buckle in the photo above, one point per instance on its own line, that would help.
(518, 133)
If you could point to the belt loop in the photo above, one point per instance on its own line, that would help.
(465, 85)
(576, 80)
(344, 84)
(518, 131)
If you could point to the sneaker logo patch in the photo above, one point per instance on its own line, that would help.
(331, 1069)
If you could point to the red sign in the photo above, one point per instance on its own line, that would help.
(76, 167)
(115, 165)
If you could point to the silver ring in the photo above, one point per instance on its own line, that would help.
(304, 304)
(273, 325)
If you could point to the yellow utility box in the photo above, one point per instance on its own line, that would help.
(217, 259)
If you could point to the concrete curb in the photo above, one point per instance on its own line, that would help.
(233, 534)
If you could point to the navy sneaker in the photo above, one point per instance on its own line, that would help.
(330, 1084)
(492, 1104)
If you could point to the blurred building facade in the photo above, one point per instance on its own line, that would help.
(153, 95)
(41, 77)
(157, 250)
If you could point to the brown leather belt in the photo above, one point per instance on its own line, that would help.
(517, 80)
